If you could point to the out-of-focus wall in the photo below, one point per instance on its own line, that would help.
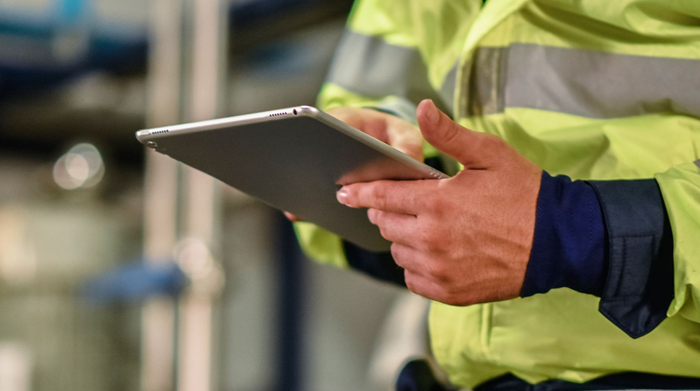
(51, 242)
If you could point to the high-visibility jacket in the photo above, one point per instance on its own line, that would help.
(596, 90)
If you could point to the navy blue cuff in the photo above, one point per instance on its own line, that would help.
(611, 239)
(639, 286)
(568, 249)
(380, 266)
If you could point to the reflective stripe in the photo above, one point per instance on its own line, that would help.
(697, 163)
(487, 86)
(400, 107)
(581, 82)
(369, 66)
(447, 92)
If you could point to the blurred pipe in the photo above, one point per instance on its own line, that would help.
(161, 185)
(202, 206)
(289, 368)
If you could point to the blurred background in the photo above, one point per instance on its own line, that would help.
(122, 270)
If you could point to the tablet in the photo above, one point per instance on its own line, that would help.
(294, 160)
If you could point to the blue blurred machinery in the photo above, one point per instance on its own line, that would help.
(43, 45)
(136, 282)
(40, 47)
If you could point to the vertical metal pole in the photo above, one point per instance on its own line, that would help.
(183, 206)
(201, 207)
(161, 186)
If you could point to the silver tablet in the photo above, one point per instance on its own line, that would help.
(294, 160)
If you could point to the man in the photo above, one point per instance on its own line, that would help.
(539, 282)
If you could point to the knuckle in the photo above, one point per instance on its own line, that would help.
(447, 296)
(378, 193)
(429, 201)
(378, 218)
(386, 233)
(438, 205)
(411, 282)
(495, 142)
(398, 254)
(439, 271)
(426, 238)
(432, 239)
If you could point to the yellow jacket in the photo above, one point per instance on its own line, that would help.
(595, 90)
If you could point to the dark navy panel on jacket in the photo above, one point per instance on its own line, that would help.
(380, 266)
(606, 238)
(639, 285)
(619, 381)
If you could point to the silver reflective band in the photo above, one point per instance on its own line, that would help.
(447, 92)
(400, 107)
(697, 163)
(369, 66)
(586, 83)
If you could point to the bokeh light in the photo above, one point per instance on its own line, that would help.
(82, 167)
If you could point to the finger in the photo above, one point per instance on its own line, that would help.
(367, 121)
(426, 287)
(292, 218)
(472, 149)
(394, 227)
(405, 197)
(409, 258)
(406, 138)
(387, 128)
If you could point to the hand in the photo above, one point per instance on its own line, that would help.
(466, 239)
(387, 128)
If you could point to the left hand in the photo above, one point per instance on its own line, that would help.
(466, 239)
(386, 128)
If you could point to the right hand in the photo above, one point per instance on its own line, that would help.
(386, 128)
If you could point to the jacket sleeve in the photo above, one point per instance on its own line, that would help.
(653, 246)
(638, 283)
(611, 239)
(680, 187)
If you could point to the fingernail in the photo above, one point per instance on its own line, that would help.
(342, 196)
(432, 113)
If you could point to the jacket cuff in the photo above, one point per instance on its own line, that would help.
(380, 266)
(639, 284)
(568, 245)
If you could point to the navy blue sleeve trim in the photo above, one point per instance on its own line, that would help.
(639, 285)
(608, 238)
(568, 248)
(380, 266)
(617, 381)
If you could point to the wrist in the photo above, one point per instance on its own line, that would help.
(569, 245)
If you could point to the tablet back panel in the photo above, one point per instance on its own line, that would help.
(293, 163)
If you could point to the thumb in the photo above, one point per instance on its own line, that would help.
(472, 149)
